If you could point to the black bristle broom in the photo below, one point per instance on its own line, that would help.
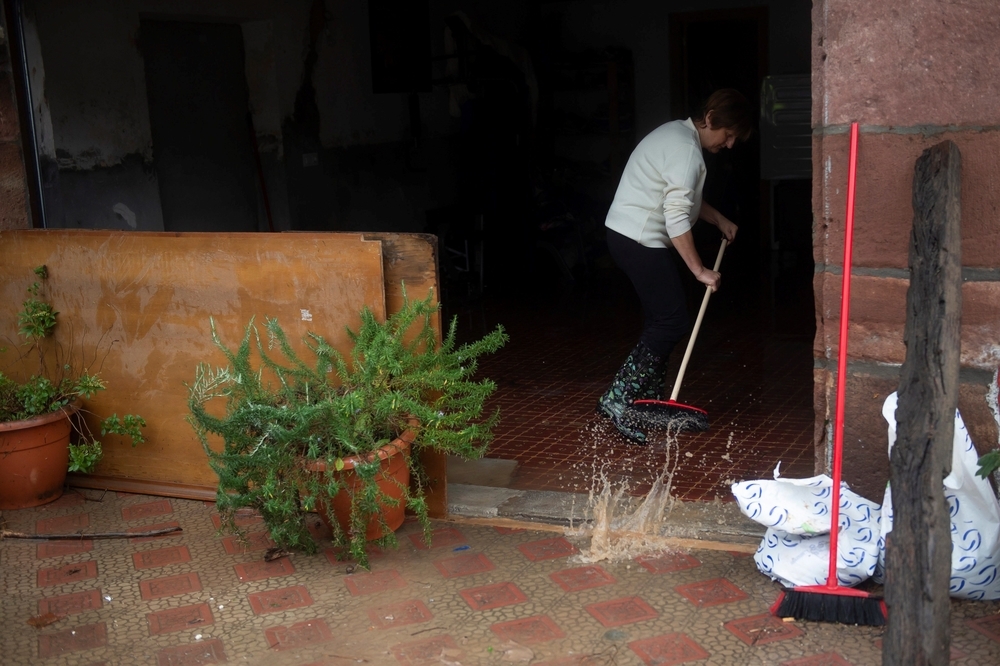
(670, 414)
(833, 602)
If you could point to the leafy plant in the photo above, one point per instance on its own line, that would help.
(988, 463)
(42, 394)
(285, 413)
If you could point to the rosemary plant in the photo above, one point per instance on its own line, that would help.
(282, 413)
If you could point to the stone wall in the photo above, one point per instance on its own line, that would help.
(13, 192)
(911, 76)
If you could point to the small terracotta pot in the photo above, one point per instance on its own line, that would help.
(34, 455)
(392, 479)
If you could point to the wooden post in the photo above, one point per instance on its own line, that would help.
(918, 552)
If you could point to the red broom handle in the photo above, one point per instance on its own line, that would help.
(845, 310)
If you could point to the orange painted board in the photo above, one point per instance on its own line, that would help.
(412, 260)
(135, 307)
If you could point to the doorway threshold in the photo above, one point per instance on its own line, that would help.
(693, 520)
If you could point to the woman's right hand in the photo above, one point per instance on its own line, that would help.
(711, 279)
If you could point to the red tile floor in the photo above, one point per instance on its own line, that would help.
(751, 369)
(479, 594)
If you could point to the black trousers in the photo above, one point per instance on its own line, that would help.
(654, 275)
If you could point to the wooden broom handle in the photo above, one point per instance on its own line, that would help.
(697, 325)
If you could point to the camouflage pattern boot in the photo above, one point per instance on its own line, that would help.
(640, 377)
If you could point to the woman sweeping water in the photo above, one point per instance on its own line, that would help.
(659, 198)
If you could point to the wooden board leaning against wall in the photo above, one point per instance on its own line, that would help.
(135, 308)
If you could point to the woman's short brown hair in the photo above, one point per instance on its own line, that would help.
(730, 110)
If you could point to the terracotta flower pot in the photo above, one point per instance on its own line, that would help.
(34, 455)
(393, 479)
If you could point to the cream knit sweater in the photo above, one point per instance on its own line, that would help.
(659, 195)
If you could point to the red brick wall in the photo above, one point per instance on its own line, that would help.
(13, 195)
(911, 74)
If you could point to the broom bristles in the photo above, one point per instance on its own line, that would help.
(672, 416)
(842, 605)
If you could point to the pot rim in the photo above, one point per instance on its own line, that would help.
(42, 419)
(401, 444)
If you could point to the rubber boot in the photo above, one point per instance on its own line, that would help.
(640, 377)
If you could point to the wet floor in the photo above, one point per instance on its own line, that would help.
(481, 593)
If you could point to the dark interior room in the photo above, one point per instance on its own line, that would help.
(523, 244)
(503, 130)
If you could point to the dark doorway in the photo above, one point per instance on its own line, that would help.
(751, 368)
(198, 114)
(711, 50)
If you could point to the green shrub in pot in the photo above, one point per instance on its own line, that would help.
(278, 415)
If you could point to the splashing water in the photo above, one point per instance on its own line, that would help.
(622, 527)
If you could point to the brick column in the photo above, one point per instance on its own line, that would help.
(912, 75)
(13, 192)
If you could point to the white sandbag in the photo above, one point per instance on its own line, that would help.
(975, 517)
(795, 549)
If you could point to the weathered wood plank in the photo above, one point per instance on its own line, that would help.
(135, 307)
(412, 259)
(918, 554)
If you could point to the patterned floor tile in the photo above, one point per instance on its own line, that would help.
(377, 615)
(70, 604)
(954, 655)
(426, 651)
(578, 660)
(169, 586)
(298, 635)
(529, 630)
(617, 612)
(762, 629)
(76, 639)
(445, 537)
(493, 596)
(548, 549)
(147, 510)
(582, 578)
(711, 592)
(195, 654)
(260, 570)
(63, 524)
(987, 626)
(668, 649)
(67, 499)
(667, 562)
(397, 615)
(372, 582)
(161, 557)
(68, 573)
(279, 600)
(464, 565)
(824, 659)
(179, 619)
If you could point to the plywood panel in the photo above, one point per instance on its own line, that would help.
(143, 300)
(411, 260)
